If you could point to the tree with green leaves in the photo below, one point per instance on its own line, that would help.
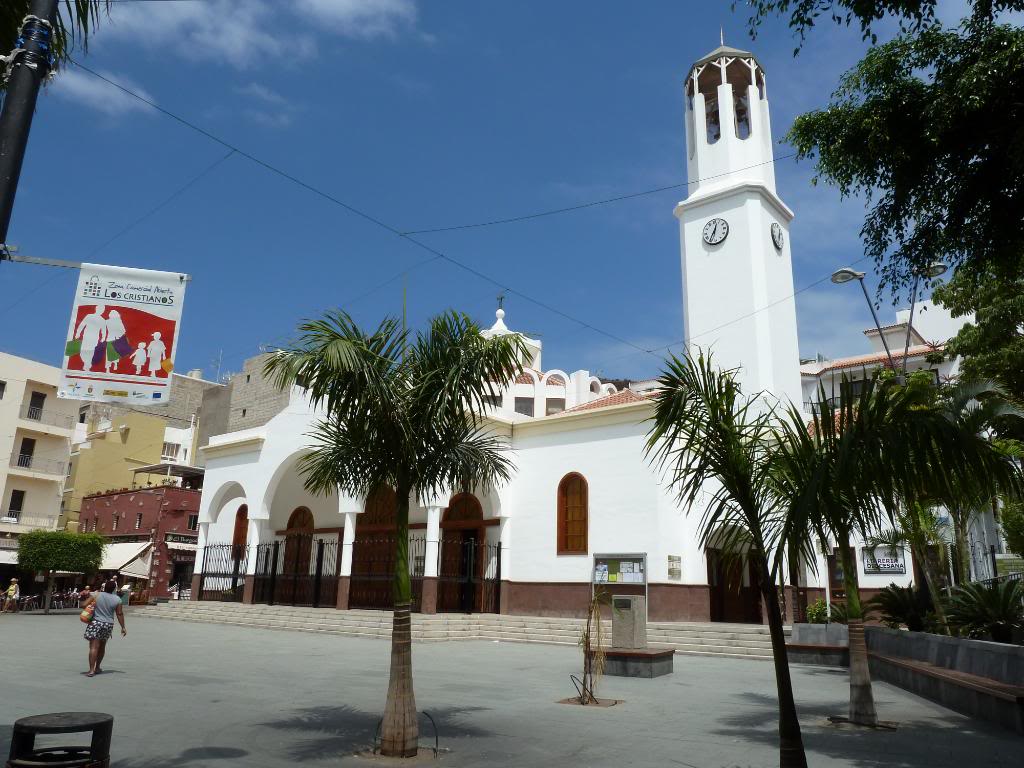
(928, 126)
(976, 409)
(1011, 520)
(859, 460)
(992, 344)
(404, 413)
(918, 527)
(709, 439)
(75, 23)
(51, 551)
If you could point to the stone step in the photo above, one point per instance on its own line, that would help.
(729, 640)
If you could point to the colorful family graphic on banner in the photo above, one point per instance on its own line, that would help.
(105, 343)
(122, 335)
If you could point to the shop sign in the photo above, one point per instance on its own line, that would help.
(879, 560)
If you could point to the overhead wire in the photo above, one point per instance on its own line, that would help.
(406, 235)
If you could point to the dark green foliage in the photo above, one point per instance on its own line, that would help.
(992, 346)
(60, 551)
(76, 22)
(988, 610)
(930, 128)
(901, 606)
(838, 613)
(912, 15)
(1012, 519)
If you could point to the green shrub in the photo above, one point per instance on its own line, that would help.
(837, 613)
(988, 610)
(817, 612)
(900, 606)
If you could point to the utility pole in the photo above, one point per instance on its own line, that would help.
(31, 63)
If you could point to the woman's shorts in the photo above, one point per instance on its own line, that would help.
(98, 630)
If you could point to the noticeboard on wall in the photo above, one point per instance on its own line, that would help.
(884, 560)
(620, 569)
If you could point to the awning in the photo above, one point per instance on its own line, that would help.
(137, 568)
(181, 546)
(8, 557)
(117, 556)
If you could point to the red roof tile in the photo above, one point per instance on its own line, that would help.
(619, 398)
(880, 357)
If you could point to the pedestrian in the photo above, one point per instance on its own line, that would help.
(106, 606)
(84, 595)
(11, 601)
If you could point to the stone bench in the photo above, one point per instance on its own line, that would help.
(969, 694)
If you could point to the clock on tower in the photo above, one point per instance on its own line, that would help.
(737, 274)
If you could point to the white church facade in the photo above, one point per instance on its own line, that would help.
(585, 508)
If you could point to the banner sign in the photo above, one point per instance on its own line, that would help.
(884, 560)
(123, 336)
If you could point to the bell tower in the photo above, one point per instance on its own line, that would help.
(734, 229)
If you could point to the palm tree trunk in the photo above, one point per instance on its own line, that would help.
(931, 581)
(862, 699)
(964, 560)
(400, 731)
(791, 744)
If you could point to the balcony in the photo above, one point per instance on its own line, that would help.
(37, 465)
(16, 522)
(48, 416)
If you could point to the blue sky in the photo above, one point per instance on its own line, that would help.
(423, 114)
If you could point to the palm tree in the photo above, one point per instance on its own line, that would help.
(918, 527)
(404, 415)
(707, 436)
(861, 456)
(75, 23)
(975, 408)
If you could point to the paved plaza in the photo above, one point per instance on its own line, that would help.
(198, 695)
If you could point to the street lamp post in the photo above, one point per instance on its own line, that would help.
(845, 275)
(933, 270)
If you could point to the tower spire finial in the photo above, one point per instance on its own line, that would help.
(721, 34)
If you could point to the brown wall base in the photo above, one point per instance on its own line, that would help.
(197, 582)
(247, 590)
(665, 602)
(428, 599)
(343, 588)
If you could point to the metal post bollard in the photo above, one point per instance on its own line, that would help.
(97, 755)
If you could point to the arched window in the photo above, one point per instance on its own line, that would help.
(572, 515)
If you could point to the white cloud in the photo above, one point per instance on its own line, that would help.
(272, 111)
(219, 30)
(85, 89)
(269, 119)
(262, 93)
(361, 18)
(243, 34)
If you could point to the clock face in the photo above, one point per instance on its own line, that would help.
(778, 238)
(715, 231)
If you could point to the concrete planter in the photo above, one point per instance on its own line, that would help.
(820, 634)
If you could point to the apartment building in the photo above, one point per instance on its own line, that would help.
(35, 443)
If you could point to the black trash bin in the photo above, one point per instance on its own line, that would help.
(24, 753)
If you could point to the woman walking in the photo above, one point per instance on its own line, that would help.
(107, 605)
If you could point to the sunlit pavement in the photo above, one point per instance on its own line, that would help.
(196, 695)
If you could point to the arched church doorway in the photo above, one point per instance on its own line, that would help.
(240, 534)
(732, 580)
(373, 555)
(465, 559)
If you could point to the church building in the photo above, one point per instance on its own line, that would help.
(585, 508)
